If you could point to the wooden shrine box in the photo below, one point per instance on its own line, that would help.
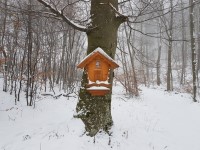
(98, 65)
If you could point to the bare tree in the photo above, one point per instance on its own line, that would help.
(193, 49)
(2, 46)
(169, 67)
(183, 70)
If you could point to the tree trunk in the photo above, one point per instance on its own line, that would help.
(158, 62)
(198, 41)
(62, 55)
(132, 55)
(183, 46)
(95, 111)
(5, 73)
(147, 65)
(193, 49)
(29, 54)
(169, 66)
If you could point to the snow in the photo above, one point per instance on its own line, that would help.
(98, 88)
(102, 82)
(98, 82)
(157, 120)
(100, 50)
(77, 25)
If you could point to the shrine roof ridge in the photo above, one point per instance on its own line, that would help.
(100, 51)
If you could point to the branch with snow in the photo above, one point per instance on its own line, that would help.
(64, 18)
(116, 11)
(121, 18)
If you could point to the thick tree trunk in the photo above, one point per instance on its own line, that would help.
(95, 111)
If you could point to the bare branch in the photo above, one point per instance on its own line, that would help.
(64, 18)
(153, 36)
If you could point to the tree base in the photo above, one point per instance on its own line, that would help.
(95, 112)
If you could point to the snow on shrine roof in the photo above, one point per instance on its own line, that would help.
(100, 51)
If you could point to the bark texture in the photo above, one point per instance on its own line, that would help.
(192, 39)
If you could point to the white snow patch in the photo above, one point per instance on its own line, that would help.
(98, 88)
(98, 82)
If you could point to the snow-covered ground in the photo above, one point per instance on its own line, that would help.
(157, 120)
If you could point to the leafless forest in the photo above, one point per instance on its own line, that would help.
(158, 45)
